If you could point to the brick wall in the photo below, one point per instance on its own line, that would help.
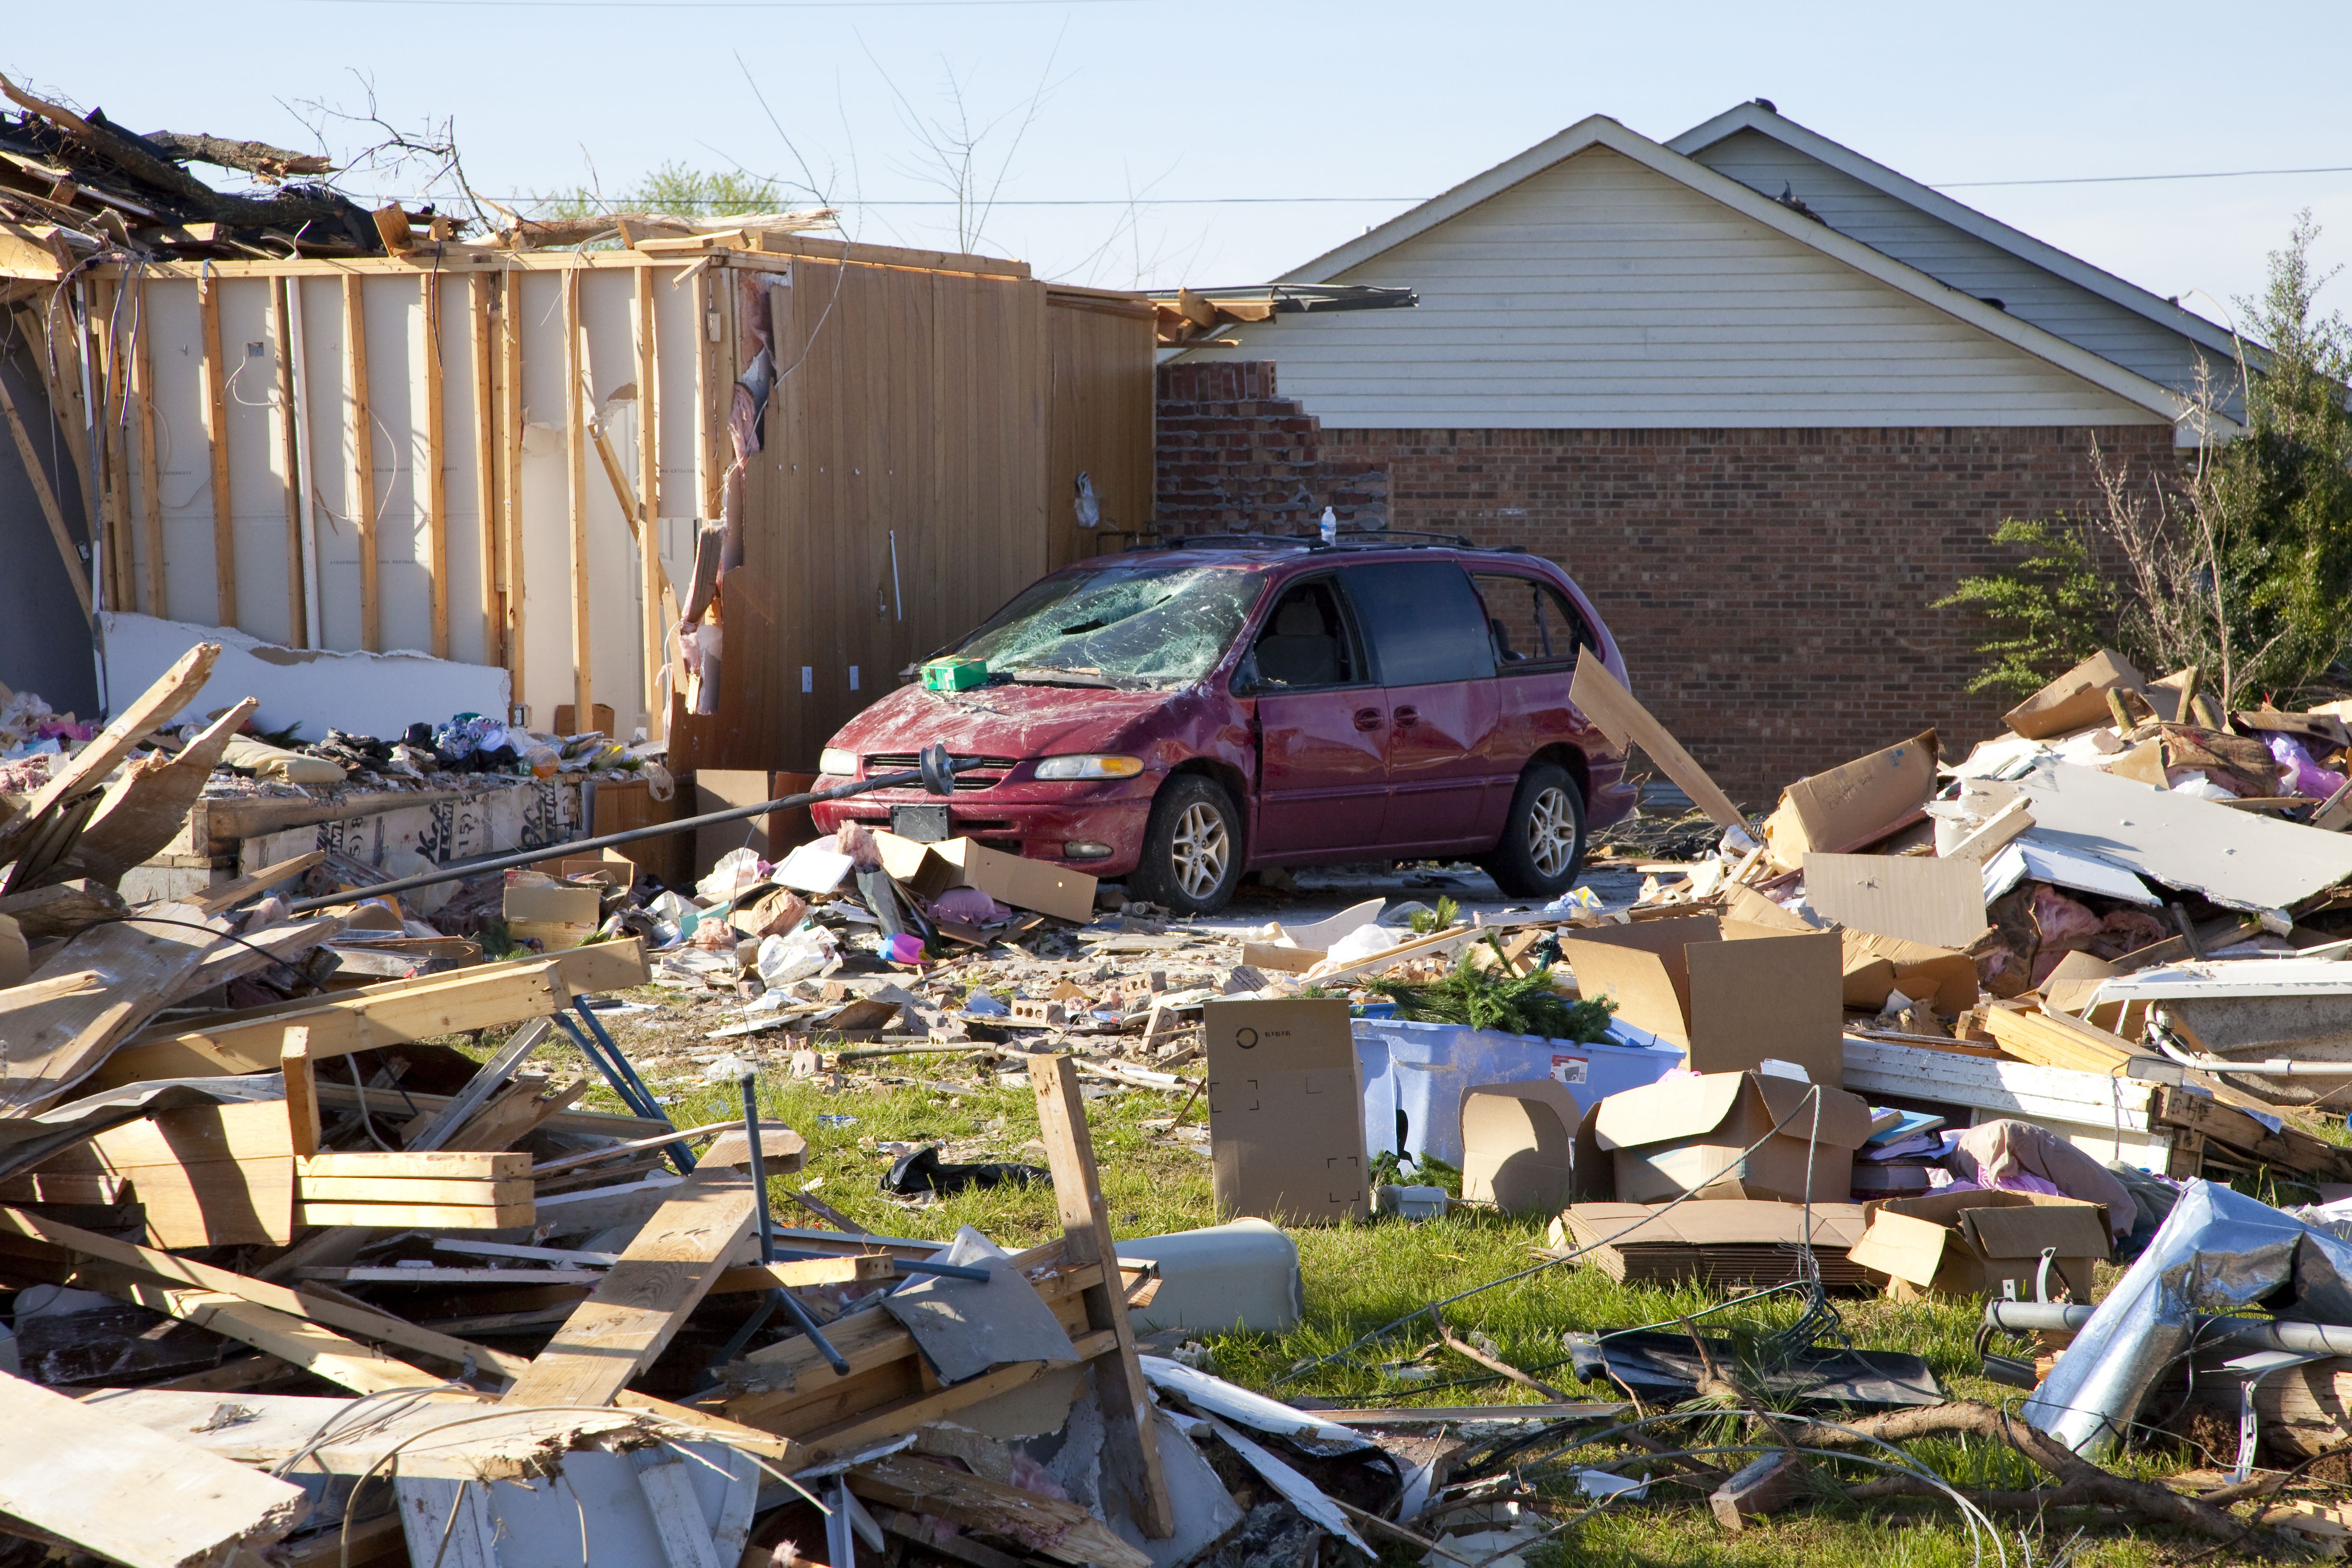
(1770, 588)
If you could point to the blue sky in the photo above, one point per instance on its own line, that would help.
(1208, 100)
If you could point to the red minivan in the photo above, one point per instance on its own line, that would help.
(1179, 716)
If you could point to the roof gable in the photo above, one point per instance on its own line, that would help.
(1756, 120)
(1602, 132)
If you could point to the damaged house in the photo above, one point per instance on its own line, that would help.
(1765, 398)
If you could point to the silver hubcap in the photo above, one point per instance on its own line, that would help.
(1551, 832)
(1201, 850)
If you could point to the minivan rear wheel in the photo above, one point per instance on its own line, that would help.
(1191, 847)
(1542, 847)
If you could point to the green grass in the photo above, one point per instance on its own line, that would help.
(1360, 1277)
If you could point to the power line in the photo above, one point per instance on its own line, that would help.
(1042, 202)
(724, 5)
(2135, 179)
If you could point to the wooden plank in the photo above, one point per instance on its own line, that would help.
(142, 811)
(511, 1114)
(685, 1540)
(111, 374)
(1068, 1534)
(320, 1352)
(511, 426)
(111, 979)
(2290, 1147)
(302, 1089)
(38, 477)
(128, 1493)
(398, 1010)
(361, 500)
(131, 724)
(151, 491)
(802, 1273)
(1605, 700)
(319, 1191)
(653, 582)
(415, 1164)
(1085, 1235)
(482, 357)
(211, 1176)
(662, 1276)
(228, 895)
(436, 473)
(291, 459)
(420, 1217)
(575, 498)
(216, 389)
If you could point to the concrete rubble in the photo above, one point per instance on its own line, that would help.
(1934, 1027)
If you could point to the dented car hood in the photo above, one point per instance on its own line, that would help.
(1005, 721)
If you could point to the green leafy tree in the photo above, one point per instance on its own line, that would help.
(672, 188)
(2242, 563)
(2048, 612)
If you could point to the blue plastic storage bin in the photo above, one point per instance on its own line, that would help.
(1414, 1076)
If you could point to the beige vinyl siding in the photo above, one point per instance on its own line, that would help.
(1598, 294)
(1962, 260)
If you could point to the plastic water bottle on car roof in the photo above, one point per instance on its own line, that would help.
(1331, 526)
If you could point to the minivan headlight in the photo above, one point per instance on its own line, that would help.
(1089, 768)
(835, 762)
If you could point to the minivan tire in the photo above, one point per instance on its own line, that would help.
(1546, 805)
(1191, 847)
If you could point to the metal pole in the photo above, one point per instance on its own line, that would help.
(936, 775)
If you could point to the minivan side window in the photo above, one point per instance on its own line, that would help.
(1305, 642)
(1423, 620)
(1532, 624)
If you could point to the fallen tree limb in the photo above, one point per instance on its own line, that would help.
(253, 157)
(2080, 1480)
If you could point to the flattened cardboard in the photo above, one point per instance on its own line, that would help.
(932, 870)
(1848, 806)
(1876, 965)
(1731, 1221)
(1730, 994)
(1917, 898)
(2144, 763)
(718, 789)
(1966, 1244)
(1518, 1145)
(1286, 1110)
(2070, 987)
(1603, 699)
(2077, 698)
(1689, 1134)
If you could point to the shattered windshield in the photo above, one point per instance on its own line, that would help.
(1150, 624)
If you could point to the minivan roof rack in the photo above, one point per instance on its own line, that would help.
(1349, 539)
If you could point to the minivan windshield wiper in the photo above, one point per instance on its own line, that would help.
(1047, 675)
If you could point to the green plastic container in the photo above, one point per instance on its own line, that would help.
(954, 674)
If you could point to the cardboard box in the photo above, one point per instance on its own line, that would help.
(1728, 993)
(932, 870)
(1286, 1112)
(1518, 1145)
(1966, 1244)
(1687, 1135)
(610, 869)
(2076, 699)
(1850, 807)
(1731, 1243)
(1874, 966)
(1915, 896)
(556, 914)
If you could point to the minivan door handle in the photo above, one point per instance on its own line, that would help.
(1406, 718)
(1368, 718)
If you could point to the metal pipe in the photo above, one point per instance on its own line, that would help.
(2276, 1066)
(636, 1096)
(939, 778)
(2252, 1333)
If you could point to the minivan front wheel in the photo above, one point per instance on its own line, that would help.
(1191, 847)
(1542, 847)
